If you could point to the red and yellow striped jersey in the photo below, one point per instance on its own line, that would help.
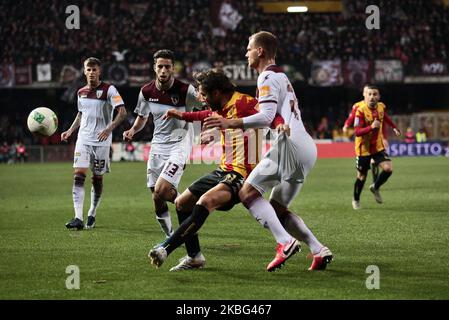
(369, 141)
(241, 148)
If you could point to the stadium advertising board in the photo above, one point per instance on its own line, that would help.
(433, 149)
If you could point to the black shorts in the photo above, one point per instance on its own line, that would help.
(363, 163)
(232, 179)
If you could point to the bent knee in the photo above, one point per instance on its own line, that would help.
(166, 193)
(248, 194)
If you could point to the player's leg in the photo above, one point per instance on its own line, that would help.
(100, 165)
(216, 197)
(386, 165)
(362, 166)
(251, 197)
(194, 259)
(155, 165)
(80, 164)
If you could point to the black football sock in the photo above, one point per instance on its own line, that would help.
(383, 177)
(193, 243)
(187, 229)
(375, 172)
(358, 187)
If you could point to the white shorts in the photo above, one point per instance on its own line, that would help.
(284, 168)
(94, 157)
(170, 167)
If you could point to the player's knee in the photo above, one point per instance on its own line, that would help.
(361, 176)
(164, 192)
(78, 179)
(207, 202)
(388, 170)
(280, 210)
(97, 183)
(247, 195)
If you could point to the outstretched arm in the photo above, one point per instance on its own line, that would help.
(75, 125)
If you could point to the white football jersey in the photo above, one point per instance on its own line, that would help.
(273, 86)
(169, 132)
(97, 110)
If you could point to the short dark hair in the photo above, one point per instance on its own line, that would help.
(214, 79)
(371, 86)
(267, 41)
(92, 61)
(164, 54)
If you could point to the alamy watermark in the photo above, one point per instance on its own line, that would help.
(73, 20)
(373, 280)
(73, 280)
(373, 20)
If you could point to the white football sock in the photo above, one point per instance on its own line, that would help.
(164, 220)
(94, 202)
(78, 201)
(298, 229)
(264, 213)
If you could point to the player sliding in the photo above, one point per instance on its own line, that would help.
(297, 153)
(219, 189)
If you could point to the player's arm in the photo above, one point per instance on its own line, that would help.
(390, 122)
(262, 119)
(361, 127)
(143, 112)
(121, 115)
(350, 120)
(75, 125)
(116, 101)
(138, 125)
(187, 116)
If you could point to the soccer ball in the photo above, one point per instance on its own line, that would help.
(42, 121)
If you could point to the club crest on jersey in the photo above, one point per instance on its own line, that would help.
(99, 93)
(174, 98)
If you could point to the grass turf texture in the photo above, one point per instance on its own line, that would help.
(406, 237)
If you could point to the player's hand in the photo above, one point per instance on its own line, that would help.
(283, 128)
(128, 134)
(216, 122)
(397, 132)
(375, 124)
(208, 136)
(172, 113)
(345, 129)
(103, 135)
(65, 135)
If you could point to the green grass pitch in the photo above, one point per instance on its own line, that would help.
(407, 238)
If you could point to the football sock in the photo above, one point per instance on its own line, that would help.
(164, 219)
(95, 194)
(298, 229)
(383, 177)
(192, 244)
(78, 194)
(358, 187)
(264, 213)
(187, 229)
(375, 172)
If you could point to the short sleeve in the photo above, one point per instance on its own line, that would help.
(268, 87)
(143, 106)
(114, 97)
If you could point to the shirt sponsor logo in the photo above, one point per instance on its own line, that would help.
(264, 91)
